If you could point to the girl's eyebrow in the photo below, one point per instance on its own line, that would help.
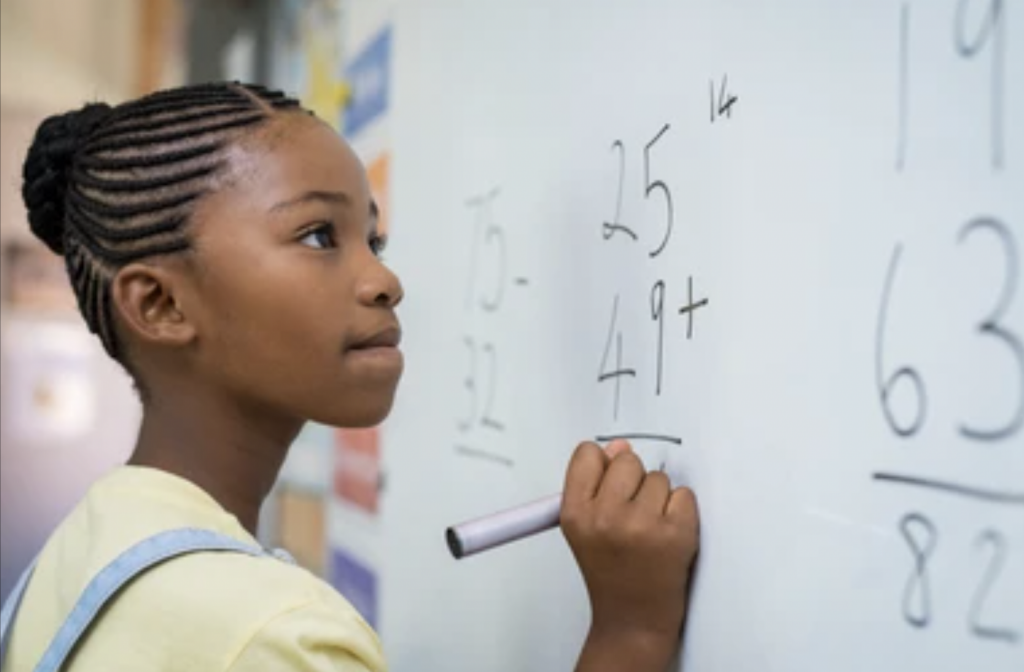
(332, 197)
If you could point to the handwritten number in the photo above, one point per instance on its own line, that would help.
(970, 48)
(725, 101)
(991, 326)
(488, 419)
(609, 229)
(469, 383)
(711, 98)
(969, 40)
(921, 536)
(616, 374)
(990, 32)
(495, 236)
(993, 570)
(488, 237)
(886, 386)
(474, 261)
(657, 315)
(904, 87)
(658, 185)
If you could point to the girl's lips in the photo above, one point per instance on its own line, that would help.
(387, 338)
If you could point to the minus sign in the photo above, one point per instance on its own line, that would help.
(486, 455)
(522, 282)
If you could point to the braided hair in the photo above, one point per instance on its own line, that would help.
(106, 186)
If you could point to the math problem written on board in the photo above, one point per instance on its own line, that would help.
(983, 238)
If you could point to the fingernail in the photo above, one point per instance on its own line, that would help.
(616, 447)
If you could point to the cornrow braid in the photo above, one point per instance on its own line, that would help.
(108, 186)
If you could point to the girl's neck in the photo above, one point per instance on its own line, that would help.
(233, 454)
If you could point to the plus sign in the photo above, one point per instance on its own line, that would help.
(690, 308)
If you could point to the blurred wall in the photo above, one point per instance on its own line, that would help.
(56, 54)
(229, 39)
(67, 413)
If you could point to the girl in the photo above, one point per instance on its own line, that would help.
(223, 246)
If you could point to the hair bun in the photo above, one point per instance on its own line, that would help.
(47, 169)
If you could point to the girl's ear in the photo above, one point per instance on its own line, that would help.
(145, 298)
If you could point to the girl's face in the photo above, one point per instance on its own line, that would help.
(292, 308)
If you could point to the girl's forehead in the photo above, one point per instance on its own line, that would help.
(288, 158)
(296, 148)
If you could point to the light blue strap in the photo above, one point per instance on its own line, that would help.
(11, 608)
(112, 578)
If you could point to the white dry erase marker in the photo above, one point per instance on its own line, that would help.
(506, 526)
(503, 527)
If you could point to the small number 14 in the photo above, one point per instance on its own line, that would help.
(722, 105)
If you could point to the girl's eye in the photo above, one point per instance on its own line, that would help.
(321, 238)
(378, 244)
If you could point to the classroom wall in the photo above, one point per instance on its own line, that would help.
(57, 55)
(54, 55)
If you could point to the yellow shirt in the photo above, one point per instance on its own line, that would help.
(204, 612)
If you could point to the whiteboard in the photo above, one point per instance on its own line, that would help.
(783, 242)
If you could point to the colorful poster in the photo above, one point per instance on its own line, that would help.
(354, 523)
(301, 527)
(357, 468)
(50, 390)
(357, 582)
(309, 54)
(369, 75)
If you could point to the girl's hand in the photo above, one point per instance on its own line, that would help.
(635, 539)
